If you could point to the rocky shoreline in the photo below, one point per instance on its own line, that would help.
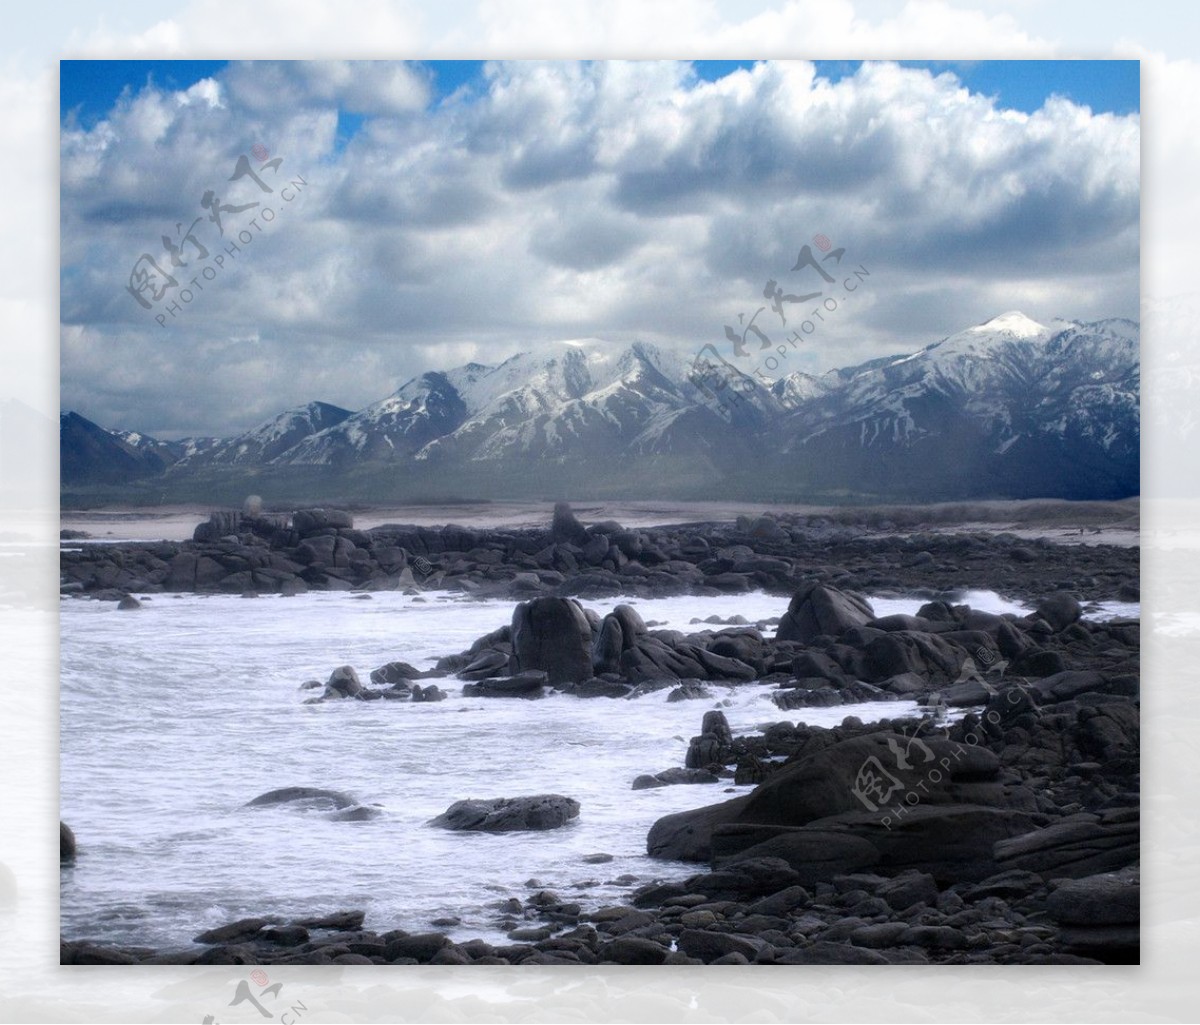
(234, 553)
(1010, 835)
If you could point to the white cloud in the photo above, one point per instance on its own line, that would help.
(619, 200)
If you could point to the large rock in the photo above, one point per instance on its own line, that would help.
(951, 842)
(307, 522)
(219, 524)
(872, 774)
(816, 855)
(66, 843)
(688, 835)
(529, 684)
(714, 746)
(312, 797)
(816, 609)
(553, 634)
(566, 527)
(930, 656)
(343, 682)
(1109, 898)
(1080, 845)
(1060, 611)
(509, 814)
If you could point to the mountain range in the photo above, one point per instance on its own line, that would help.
(1007, 409)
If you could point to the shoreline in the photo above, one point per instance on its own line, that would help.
(1018, 852)
(1059, 521)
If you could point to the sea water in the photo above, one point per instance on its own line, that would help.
(176, 715)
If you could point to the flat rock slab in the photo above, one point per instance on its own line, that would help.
(509, 814)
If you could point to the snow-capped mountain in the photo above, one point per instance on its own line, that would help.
(268, 440)
(88, 454)
(1009, 408)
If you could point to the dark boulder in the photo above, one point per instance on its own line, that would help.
(1059, 610)
(689, 692)
(235, 932)
(509, 814)
(565, 527)
(951, 842)
(871, 774)
(529, 684)
(1109, 898)
(907, 889)
(815, 855)
(218, 525)
(671, 777)
(1080, 845)
(343, 682)
(395, 672)
(66, 843)
(311, 797)
(553, 634)
(688, 835)
(307, 522)
(487, 664)
(816, 609)
(714, 746)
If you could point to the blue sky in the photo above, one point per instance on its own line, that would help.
(90, 88)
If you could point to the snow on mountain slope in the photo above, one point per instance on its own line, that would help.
(1009, 406)
(269, 439)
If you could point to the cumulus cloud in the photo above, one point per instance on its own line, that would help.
(553, 200)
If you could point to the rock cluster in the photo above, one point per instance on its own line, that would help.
(318, 549)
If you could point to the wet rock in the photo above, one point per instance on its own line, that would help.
(714, 746)
(314, 798)
(340, 920)
(357, 813)
(672, 777)
(234, 932)
(83, 953)
(395, 672)
(66, 844)
(343, 682)
(509, 814)
(690, 692)
(486, 664)
(529, 684)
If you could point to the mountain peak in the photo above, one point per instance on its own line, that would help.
(1014, 322)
